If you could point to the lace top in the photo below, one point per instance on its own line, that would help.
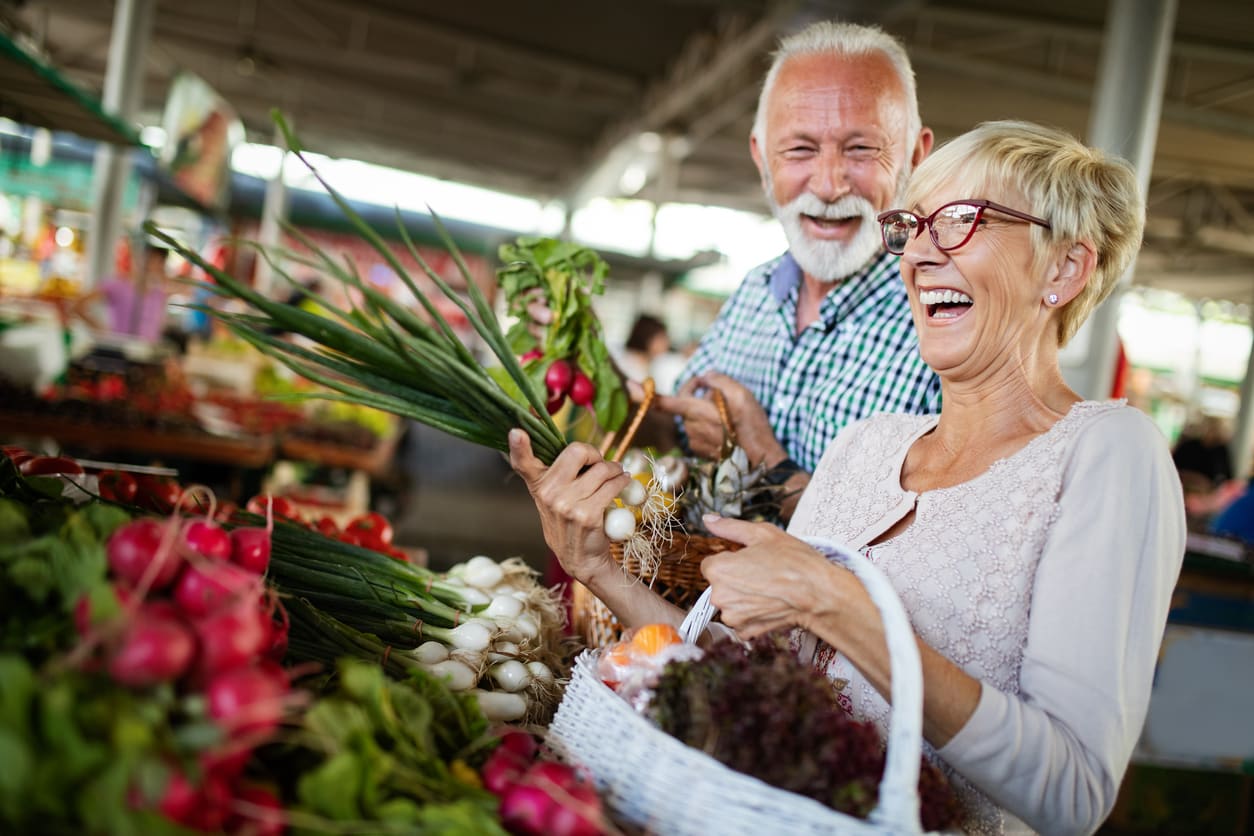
(1047, 577)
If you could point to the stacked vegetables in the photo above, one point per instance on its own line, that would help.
(540, 796)
(485, 626)
(139, 671)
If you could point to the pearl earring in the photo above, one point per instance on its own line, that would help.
(1053, 299)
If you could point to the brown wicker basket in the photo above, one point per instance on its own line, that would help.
(678, 580)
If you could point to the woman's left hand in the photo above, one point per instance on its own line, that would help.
(776, 581)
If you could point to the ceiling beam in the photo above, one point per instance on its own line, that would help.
(1090, 35)
(537, 58)
(707, 63)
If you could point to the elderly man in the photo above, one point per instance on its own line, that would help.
(820, 336)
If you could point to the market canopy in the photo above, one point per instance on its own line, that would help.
(34, 93)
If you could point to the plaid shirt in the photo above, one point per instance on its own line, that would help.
(860, 357)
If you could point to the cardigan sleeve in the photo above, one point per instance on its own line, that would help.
(1055, 754)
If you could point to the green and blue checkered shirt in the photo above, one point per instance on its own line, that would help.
(860, 357)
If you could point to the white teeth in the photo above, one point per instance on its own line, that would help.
(943, 297)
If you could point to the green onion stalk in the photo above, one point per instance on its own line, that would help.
(381, 354)
(400, 603)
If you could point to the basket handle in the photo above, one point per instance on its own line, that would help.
(898, 808)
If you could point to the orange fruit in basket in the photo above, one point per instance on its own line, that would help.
(652, 639)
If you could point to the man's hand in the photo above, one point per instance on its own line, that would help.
(694, 403)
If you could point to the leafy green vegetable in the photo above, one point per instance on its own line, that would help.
(567, 276)
(389, 752)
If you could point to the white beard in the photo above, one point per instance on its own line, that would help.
(829, 261)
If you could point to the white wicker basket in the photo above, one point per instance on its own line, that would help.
(652, 780)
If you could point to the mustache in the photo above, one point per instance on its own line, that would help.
(849, 206)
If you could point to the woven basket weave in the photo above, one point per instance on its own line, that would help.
(658, 783)
(678, 580)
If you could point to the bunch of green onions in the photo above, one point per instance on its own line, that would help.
(383, 355)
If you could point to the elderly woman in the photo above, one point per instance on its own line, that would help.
(1034, 537)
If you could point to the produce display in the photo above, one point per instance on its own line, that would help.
(156, 676)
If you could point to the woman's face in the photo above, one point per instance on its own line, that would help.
(978, 308)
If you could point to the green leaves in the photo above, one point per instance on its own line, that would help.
(565, 276)
(386, 750)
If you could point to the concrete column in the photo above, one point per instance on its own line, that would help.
(1124, 121)
(273, 213)
(1243, 427)
(128, 44)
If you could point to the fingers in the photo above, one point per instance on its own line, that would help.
(690, 387)
(522, 459)
(739, 531)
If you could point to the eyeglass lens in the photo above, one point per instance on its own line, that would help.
(950, 227)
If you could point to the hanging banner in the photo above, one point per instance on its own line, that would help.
(201, 131)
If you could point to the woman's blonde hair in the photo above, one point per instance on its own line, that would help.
(1085, 194)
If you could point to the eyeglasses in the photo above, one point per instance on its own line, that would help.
(951, 226)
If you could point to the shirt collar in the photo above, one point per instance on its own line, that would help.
(787, 275)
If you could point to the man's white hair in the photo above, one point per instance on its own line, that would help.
(850, 40)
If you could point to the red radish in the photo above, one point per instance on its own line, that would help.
(582, 390)
(501, 771)
(573, 818)
(227, 762)
(178, 799)
(202, 589)
(231, 638)
(213, 805)
(135, 546)
(250, 548)
(276, 640)
(264, 815)
(526, 810)
(207, 539)
(555, 404)
(533, 354)
(558, 378)
(154, 649)
(519, 743)
(247, 700)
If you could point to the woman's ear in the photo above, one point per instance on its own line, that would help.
(1073, 269)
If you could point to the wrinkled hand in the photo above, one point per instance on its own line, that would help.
(571, 496)
(704, 425)
(775, 582)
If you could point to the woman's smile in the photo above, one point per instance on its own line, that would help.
(944, 303)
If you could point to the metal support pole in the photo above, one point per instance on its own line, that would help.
(1124, 121)
(1243, 428)
(128, 43)
(273, 213)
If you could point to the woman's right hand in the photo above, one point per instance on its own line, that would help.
(572, 496)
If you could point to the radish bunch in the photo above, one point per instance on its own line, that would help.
(540, 797)
(186, 609)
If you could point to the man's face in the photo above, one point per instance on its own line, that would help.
(834, 155)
